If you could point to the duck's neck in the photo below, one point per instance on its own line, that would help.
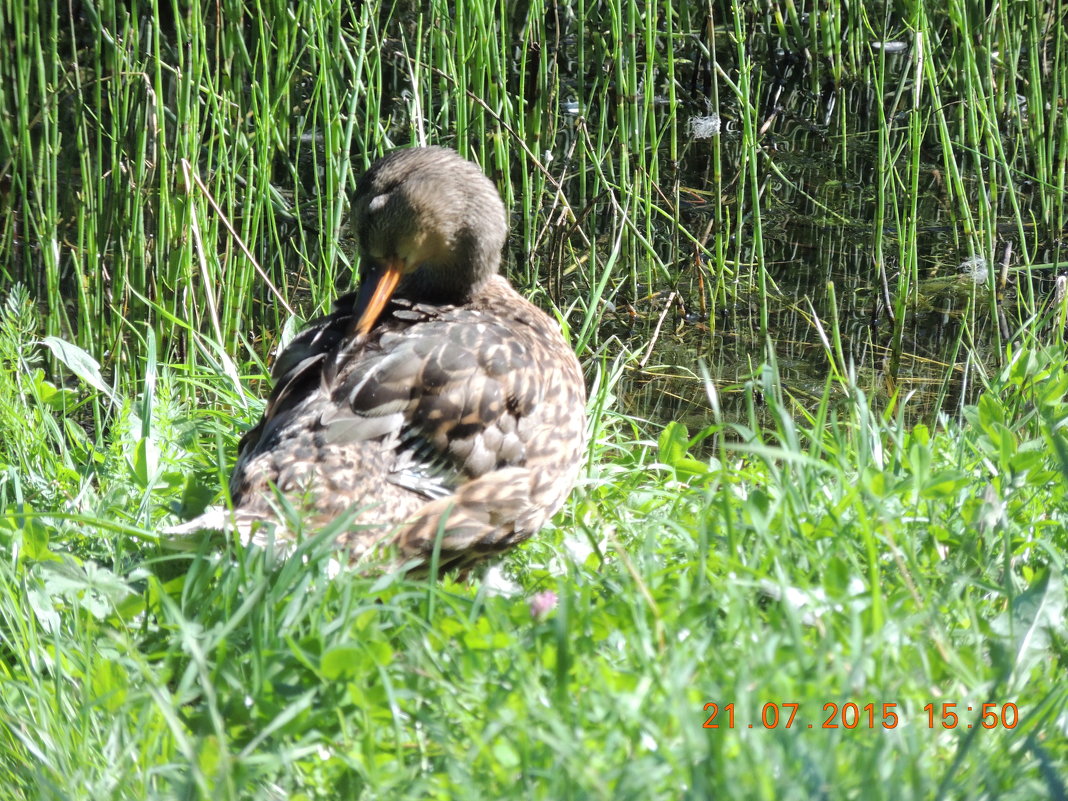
(450, 286)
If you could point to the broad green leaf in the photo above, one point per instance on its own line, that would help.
(341, 660)
(80, 363)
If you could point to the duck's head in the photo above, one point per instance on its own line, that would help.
(430, 226)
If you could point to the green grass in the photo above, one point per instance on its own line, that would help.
(837, 560)
(829, 531)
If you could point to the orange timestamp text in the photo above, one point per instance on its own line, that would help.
(776, 715)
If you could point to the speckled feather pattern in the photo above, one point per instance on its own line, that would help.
(460, 420)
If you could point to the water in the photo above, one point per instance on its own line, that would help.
(821, 227)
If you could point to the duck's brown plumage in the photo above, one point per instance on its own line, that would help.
(453, 405)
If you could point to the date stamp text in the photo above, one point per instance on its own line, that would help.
(776, 715)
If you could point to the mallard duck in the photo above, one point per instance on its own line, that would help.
(435, 399)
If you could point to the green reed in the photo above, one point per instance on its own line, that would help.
(175, 169)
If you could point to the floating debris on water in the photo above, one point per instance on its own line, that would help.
(890, 47)
(975, 268)
(704, 127)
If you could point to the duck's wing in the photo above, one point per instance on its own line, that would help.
(486, 410)
(465, 422)
(453, 390)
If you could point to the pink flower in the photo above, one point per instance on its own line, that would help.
(542, 603)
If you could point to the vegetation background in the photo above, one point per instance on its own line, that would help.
(749, 218)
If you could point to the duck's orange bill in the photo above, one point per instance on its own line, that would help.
(383, 291)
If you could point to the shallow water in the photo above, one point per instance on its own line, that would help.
(821, 227)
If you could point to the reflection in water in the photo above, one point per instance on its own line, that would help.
(832, 238)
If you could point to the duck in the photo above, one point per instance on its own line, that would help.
(435, 404)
